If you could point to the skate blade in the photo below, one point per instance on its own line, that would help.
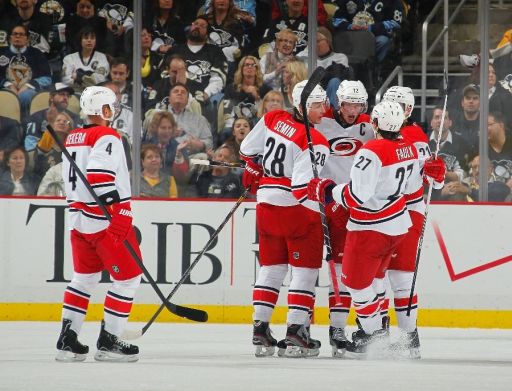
(105, 356)
(313, 352)
(295, 352)
(355, 355)
(337, 353)
(264, 351)
(67, 356)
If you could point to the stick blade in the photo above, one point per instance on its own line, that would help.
(189, 313)
(313, 80)
(132, 334)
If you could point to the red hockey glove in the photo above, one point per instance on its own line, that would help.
(337, 215)
(251, 176)
(121, 222)
(320, 189)
(435, 169)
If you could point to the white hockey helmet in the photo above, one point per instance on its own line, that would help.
(94, 98)
(317, 95)
(388, 116)
(352, 91)
(401, 95)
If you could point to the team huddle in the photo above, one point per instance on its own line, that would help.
(352, 179)
(370, 184)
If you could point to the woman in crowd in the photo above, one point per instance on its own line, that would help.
(293, 72)
(241, 128)
(243, 97)
(273, 62)
(162, 131)
(85, 16)
(167, 28)
(48, 153)
(16, 180)
(153, 181)
(273, 100)
(226, 30)
(86, 67)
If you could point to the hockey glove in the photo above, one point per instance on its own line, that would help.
(121, 222)
(251, 176)
(435, 169)
(320, 189)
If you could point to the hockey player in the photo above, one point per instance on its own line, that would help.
(403, 262)
(384, 176)
(97, 244)
(346, 129)
(289, 227)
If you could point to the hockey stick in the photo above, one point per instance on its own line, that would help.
(184, 312)
(313, 80)
(427, 203)
(209, 162)
(134, 334)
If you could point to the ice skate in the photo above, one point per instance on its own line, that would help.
(338, 341)
(407, 346)
(262, 339)
(368, 345)
(68, 346)
(299, 343)
(111, 348)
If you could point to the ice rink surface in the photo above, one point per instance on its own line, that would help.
(221, 357)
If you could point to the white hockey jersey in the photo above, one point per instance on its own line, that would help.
(98, 152)
(385, 175)
(344, 144)
(414, 134)
(96, 68)
(281, 141)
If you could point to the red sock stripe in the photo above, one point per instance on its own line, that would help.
(403, 302)
(367, 309)
(305, 300)
(384, 304)
(346, 302)
(74, 300)
(117, 305)
(266, 296)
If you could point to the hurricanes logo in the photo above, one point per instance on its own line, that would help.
(198, 69)
(296, 255)
(115, 268)
(344, 146)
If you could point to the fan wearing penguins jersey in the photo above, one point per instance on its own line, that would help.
(347, 129)
(403, 262)
(96, 243)
(385, 175)
(206, 63)
(289, 227)
(379, 17)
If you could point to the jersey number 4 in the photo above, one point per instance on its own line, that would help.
(72, 178)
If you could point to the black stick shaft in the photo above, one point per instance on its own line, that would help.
(198, 257)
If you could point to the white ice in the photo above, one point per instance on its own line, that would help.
(221, 357)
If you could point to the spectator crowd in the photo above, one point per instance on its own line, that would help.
(210, 70)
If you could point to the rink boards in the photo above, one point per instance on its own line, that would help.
(463, 280)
